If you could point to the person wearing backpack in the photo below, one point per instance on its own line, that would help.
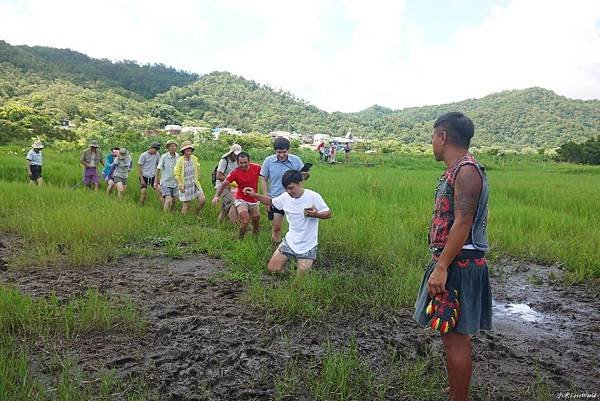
(225, 166)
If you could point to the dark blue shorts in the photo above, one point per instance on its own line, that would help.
(468, 273)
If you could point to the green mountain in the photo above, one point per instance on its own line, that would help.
(146, 80)
(39, 86)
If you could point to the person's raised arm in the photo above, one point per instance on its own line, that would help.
(267, 200)
(467, 189)
(219, 192)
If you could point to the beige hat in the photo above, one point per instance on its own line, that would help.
(235, 149)
(170, 142)
(123, 153)
(93, 144)
(37, 145)
(186, 145)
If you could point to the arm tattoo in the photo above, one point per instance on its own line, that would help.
(467, 191)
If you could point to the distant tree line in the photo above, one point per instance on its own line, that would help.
(585, 153)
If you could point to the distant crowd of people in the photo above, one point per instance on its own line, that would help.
(328, 152)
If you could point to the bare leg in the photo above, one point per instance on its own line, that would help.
(244, 219)
(110, 187)
(120, 190)
(304, 266)
(277, 224)
(40, 181)
(255, 217)
(185, 207)
(233, 215)
(201, 202)
(167, 205)
(143, 194)
(459, 364)
(96, 186)
(277, 262)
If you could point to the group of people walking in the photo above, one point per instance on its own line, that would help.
(328, 152)
(455, 295)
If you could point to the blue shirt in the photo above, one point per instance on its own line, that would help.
(107, 164)
(273, 169)
(35, 158)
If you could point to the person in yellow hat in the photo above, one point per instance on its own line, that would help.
(34, 163)
(187, 174)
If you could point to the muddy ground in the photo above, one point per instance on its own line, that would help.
(205, 342)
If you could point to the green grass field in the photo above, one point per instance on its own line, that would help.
(371, 253)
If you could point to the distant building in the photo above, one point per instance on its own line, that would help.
(193, 130)
(317, 138)
(173, 129)
(66, 124)
(283, 134)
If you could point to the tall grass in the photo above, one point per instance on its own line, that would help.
(371, 252)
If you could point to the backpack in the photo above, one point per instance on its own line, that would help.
(213, 177)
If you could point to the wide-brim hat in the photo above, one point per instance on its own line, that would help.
(37, 145)
(235, 149)
(123, 153)
(93, 144)
(186, 145)
(171, 142)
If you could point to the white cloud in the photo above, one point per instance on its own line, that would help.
(386, 60)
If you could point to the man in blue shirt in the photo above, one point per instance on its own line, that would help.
(271, 173)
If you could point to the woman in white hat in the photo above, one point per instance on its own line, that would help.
(34, 163)
(187, 174)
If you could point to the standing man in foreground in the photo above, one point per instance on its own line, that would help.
(34, 163)
(303, 209)
(245, 175)
(147, 164)
(90, 158)
(165, 175)
(271, 173)
(455, 296)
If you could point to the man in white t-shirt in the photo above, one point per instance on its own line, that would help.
(303, 210)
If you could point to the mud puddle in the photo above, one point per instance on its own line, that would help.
(542, 330)
(204, 342)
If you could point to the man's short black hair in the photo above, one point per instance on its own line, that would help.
(244, 154)
(281, 143)
(291, 177)
(459, 127)
(115, 148)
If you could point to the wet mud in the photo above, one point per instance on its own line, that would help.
(204, 342)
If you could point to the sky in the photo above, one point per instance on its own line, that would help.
(340, 55)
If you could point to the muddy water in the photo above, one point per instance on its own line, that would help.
(203, 342)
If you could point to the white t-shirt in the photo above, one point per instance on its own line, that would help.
(303, 234)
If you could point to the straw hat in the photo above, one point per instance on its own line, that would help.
(171, 142)
(235, 149)
(186, 145)
(93, 144)
(37, 145)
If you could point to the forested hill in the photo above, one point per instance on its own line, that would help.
(529, 117)
(39, 86)
(146, 80)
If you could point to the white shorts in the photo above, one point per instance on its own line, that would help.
(251, 205)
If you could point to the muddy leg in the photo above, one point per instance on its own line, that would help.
(459, 364)
(244, 219)
(276, 227)
(277, 262)
(304, 266)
